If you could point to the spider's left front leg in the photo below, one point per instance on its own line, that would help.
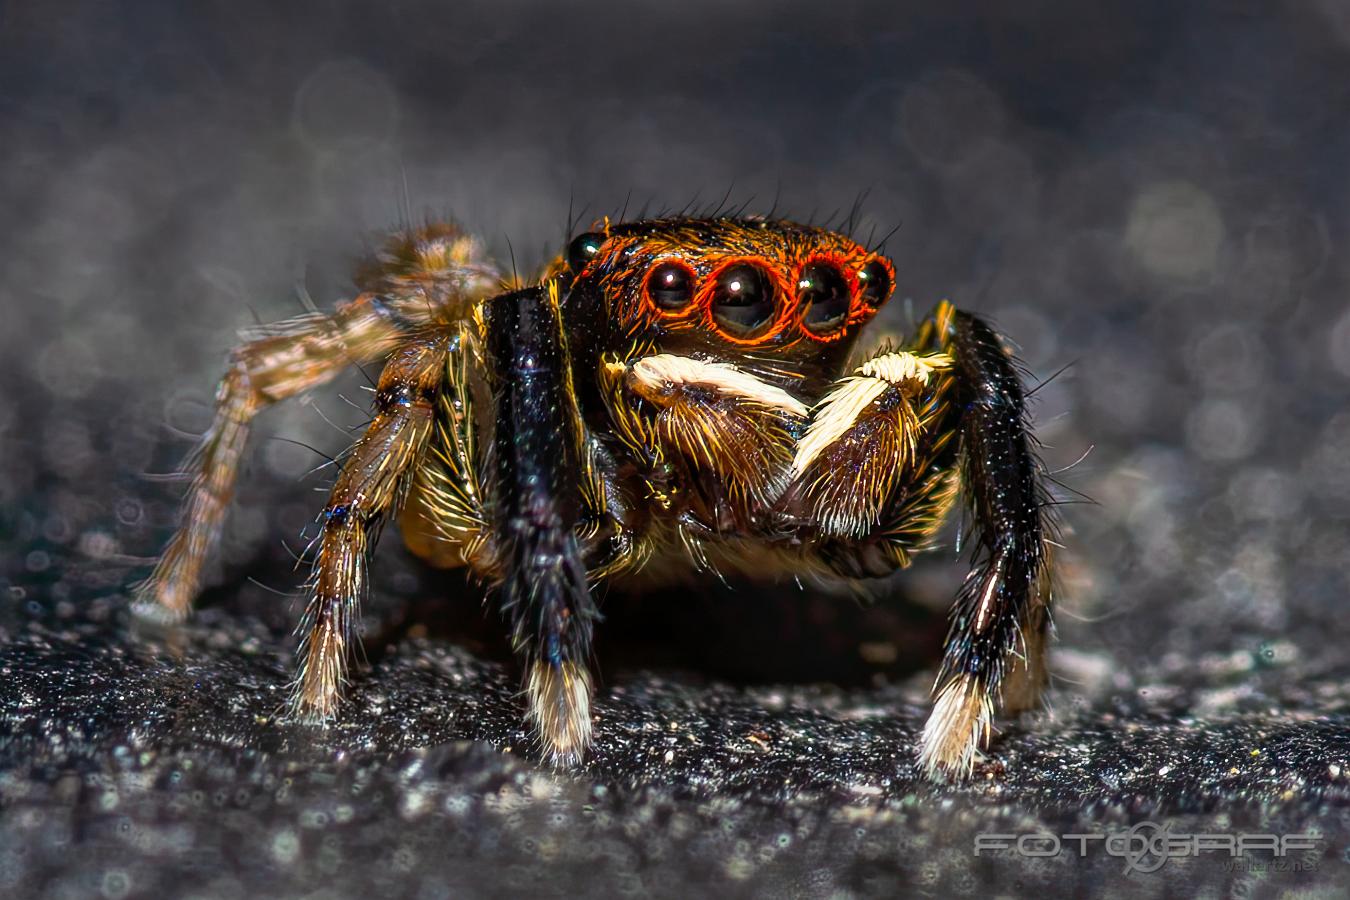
(878, 469)
(995, 650)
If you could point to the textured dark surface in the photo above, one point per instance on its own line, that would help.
(1155, 192)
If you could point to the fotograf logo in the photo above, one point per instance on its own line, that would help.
(1147, 846)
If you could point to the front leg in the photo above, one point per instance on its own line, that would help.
(874, 477)
(995, 650)
(536, 508)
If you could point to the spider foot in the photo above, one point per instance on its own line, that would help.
(560, 710)
(163, 601)
(957, 730)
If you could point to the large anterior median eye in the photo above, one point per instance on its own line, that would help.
(671, 286)
(823, 291)
(582, 249)
(742, 300)
(874, 282)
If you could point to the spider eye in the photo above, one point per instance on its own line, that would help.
(742, 300)
(824, 293)
(583, 249)
(874, 282)
(671, 286)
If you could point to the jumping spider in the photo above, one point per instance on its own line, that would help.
(673, 391)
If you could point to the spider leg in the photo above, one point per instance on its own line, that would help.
(874, 476)
(536, 459)
(430, 274)
(280, 361)
(367, 490)
(995, 648)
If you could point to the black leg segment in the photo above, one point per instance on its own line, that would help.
(535, 465)
(994, 648)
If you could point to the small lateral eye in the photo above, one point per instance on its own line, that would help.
(824, 293)
(583, 249)
(874, 283)
(742, 300)
(671, 286)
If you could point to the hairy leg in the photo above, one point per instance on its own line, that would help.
(995, 648)
(874, 477)
(279, 362)
(423, 275)
(367, 491)
(443, 521)
(536, 460)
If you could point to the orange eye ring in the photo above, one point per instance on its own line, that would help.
(876, 282)
(670, 288)
(826, 298)
(733, 312)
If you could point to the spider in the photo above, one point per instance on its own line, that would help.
(670, 394)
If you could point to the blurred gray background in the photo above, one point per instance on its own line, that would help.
(1153, 193)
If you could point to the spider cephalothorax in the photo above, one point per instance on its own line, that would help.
(672, 394)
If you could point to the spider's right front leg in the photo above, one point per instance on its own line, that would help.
(537, 504)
